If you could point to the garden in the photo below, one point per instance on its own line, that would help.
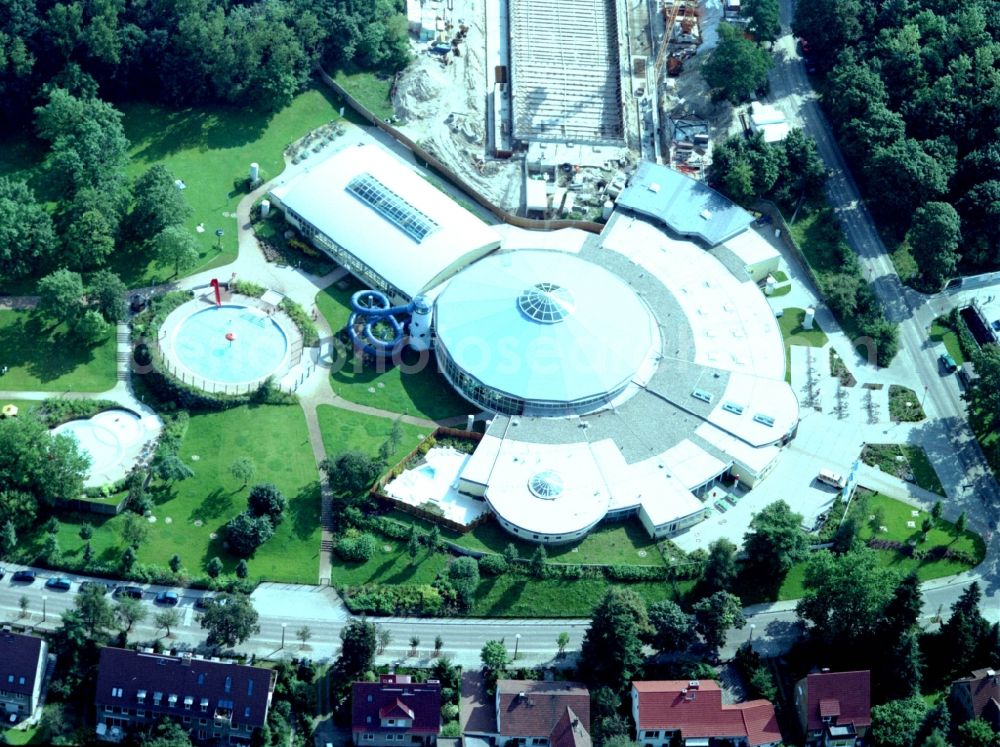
(792, 332)
(905, 461)
(413, 388)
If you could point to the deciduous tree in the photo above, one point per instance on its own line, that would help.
(715, 615)
(27, 239)
(230, 619)
(463, 573)
(737, 68)
(934, 238)
(175, 245)
(672, 629)
(611, 653)
(359, 643)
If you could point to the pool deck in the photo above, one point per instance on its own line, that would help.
(433, 482)
(131, 435)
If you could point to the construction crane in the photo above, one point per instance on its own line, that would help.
(669, 16)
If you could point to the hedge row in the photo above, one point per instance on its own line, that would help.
(58, 410)
(299, 317)
(938, 552)
(965, 339)
(173, 394)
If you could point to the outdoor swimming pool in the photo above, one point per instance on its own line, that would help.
(230, 344)
(111, 438)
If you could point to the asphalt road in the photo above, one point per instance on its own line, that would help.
(956, 450)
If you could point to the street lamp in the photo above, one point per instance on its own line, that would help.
(517, 641)
(283, 626)
(44, 600)
(219, 233)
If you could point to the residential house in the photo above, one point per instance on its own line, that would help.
(978, 696)
(22, 672)
(692, 711)
(834, 707)
(542, 714)
(395, 710)
(215, 701)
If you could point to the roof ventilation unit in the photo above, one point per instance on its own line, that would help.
(764, 420)
(702, 395)
(732, 407)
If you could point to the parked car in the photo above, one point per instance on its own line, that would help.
(948, 363)
(202, 603)
(831, 478)
(996, 325)
(23, 577)
(132, 592)
(167, 597)
(99, 585)
(58, 583)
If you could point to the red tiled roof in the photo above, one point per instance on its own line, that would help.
(396, 710)
(396, 698)
(850, 690)
(698, 712)
(19, 655)
(542, 705)
(829, 707)
(569, 732)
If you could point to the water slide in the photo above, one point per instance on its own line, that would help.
(371, 307)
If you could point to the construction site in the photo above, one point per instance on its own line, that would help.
(547, 108)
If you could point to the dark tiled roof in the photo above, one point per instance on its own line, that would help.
(479, 714)
(243, 690)
(19, 662)
(699, 712)
(984, 693)
(569, 732)
(530, 708)
(851, 692)
(396, 697)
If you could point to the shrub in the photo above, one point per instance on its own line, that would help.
(266, 500)
(356, 549)
(247, 288)
(493, 565)
(300, 319)
(634, 573)
(413, 599)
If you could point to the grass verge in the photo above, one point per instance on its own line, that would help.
(793, 333)
(371, 89)
(942, 332)
(905, 461)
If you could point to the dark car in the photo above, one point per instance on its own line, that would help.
(203, 603)
(23, 577)
(947, 363)
(167, 597)
(58, 583)
(132, 592)
(100, 586)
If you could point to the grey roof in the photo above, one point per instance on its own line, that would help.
(680, 203)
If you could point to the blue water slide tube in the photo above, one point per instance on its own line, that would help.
(372, 307)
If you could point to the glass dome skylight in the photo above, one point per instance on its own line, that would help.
(547, 485)
(547, 303)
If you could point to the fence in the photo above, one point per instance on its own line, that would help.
(295, 345)
(94, 507)
(438, 166)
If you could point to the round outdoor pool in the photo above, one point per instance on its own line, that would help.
(229, 344)
(107, 438)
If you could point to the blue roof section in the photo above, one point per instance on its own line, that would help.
(684, 205)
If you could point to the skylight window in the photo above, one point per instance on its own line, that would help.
(391, 206)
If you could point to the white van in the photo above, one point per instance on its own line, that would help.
(831, 478)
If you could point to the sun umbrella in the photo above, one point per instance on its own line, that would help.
(9, 411)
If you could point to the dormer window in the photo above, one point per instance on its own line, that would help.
(116, 692)
(249, 687)
(204, 705)
(141, 696)
(188, 701)
(229, 684)
(157, 697)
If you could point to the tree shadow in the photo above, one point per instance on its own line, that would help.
(43, 351)
(304, 510)
(505, 601)
(216, 504)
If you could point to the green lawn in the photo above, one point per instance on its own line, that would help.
(41, 358)
(208, 147)
(792, 332)
(22, 736)
(413, 388)
(895, 516)
(941, 332)
(371, 89)
(906, 265)
(344, 430)
(275, 437)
